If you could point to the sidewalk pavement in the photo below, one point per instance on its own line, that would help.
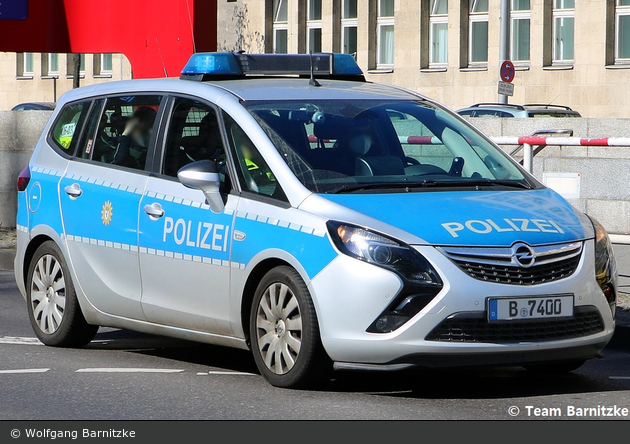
(6, 258)
(621, 339)
(622, 255)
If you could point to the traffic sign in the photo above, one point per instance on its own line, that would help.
(507, 71)
(506, 89)
(13, 9)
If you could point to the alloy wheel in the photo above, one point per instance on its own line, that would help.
(279, 328)
(48, 294)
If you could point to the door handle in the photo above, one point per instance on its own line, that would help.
(73, 190)
(154, 211)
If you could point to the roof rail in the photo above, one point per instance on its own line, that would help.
(547, 106)
(511, 105)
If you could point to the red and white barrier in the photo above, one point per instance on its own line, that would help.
(527, 141)
(562, 141)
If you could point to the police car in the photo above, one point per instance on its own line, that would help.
(282, 204)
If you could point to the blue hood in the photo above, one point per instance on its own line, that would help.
(474, 218)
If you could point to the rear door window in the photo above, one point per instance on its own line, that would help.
(125, 131)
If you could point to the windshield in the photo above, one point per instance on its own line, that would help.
(365, 145)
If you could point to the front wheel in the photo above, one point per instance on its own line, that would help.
(53, 307)
(284, 331)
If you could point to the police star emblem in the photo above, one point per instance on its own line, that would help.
(107, 212)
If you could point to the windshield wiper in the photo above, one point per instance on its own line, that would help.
(384, 186)
(432, 183)
(485, 183)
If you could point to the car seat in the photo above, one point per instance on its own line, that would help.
(359, 145)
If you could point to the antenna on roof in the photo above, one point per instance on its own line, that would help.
(312, 81)
(553, 100)
(161, 58)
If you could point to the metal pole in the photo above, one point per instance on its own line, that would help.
(504, 39)
(528, 155)
(76, 71)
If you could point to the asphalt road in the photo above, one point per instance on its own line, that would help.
(184, 380)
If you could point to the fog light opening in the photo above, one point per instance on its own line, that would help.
(388, 323)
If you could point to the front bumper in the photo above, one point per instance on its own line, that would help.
(349, 295)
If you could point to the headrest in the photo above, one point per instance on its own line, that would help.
(331, 128)
(190, 141)
(360, 144)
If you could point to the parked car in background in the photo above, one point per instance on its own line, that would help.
(511, 110)
(28, 106)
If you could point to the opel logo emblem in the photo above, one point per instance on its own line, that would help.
(523, 255)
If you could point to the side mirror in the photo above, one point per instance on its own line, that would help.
(204, 175)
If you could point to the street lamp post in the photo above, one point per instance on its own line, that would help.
(504, 39)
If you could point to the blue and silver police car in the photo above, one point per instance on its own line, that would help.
(281, 203)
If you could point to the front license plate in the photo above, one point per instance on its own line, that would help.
(509, 309)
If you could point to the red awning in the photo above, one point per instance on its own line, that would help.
(156, 35)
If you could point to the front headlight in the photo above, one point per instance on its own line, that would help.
(605, 265)
(384, 252)
(421, 282)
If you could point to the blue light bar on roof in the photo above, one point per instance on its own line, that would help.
(344, 64)
(205, 66)
(212, 63)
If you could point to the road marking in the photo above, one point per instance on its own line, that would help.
(128, 370)
(225, 373)
(19, 341)
(619, 377)
(24, 370)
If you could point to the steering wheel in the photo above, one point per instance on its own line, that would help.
(411, 161)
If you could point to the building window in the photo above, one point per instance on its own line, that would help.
(349, 25)
(280, 27)
(70, 66)
(106, 63)
(25, 65)
(103, 65)
(520, 16)
(52, 66)
(314, 26)
(478, 29)
(385, 34)
(563, 29)
(438, 33)
(622, 36)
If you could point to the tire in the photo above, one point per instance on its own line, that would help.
(555, 368)
(52, 303)
(284, 332)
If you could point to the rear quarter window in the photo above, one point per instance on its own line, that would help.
(67, 127)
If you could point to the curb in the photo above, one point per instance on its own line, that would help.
(6, 259)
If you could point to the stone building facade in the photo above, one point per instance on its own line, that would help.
(36, 77)
(570, 52)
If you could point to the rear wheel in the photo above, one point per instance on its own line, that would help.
(53, 307)
(284, 331)
(555, 368)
